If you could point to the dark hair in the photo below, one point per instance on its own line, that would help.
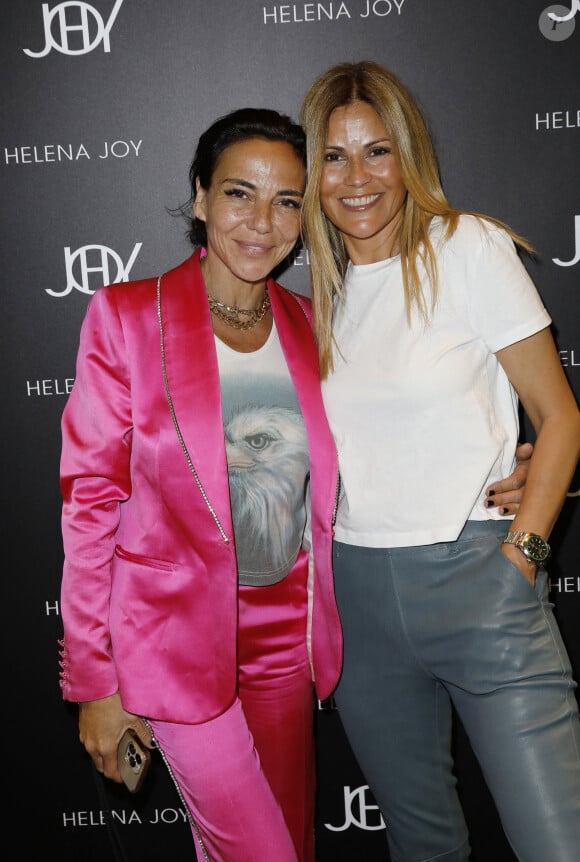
(241, 125)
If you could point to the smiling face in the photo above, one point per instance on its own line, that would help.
(252, 213)
(361, 188)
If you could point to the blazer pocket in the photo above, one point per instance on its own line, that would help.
(142, 560)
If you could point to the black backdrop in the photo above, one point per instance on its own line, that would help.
(102, 105)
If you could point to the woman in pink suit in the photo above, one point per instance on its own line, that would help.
(199, 479)
(193, 429)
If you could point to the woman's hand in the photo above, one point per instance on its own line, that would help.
(101, 725)
(526, 567)
(507, 493)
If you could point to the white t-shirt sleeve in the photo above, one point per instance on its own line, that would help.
(503, 302)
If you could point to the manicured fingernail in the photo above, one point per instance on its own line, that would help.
(490, 493)
(503, 511)
(488, 504)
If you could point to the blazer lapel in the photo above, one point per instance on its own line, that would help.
(192, 379)
(294, 328)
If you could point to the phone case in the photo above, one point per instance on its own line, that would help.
(133, 760)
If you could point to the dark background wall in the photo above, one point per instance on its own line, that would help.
(102, 105)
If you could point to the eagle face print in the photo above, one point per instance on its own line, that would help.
(268, 467)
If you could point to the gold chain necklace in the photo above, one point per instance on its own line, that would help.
(230, 313)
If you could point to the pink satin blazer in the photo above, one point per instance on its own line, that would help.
(149, 586)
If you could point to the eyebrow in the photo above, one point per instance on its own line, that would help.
(387, 139)
(240, 182)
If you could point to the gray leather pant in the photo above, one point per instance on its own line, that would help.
(458, 623)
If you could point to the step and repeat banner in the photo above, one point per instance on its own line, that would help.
(103, 103)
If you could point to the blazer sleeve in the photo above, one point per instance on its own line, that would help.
(95, 480)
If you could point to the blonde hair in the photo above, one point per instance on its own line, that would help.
(412, 146)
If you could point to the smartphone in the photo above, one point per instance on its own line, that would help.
(133, 760)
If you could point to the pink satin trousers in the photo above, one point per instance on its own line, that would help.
(247, 777)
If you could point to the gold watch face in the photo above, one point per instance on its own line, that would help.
(536, 548)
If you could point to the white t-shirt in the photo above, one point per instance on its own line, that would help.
(424, 417)
(268, 460)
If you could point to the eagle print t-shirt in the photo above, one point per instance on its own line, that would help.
(268, 460)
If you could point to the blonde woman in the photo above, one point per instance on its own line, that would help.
(429, 332)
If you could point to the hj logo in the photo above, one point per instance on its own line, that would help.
(100, 255)
(574, 260)
(356, 800)
(83, 23)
